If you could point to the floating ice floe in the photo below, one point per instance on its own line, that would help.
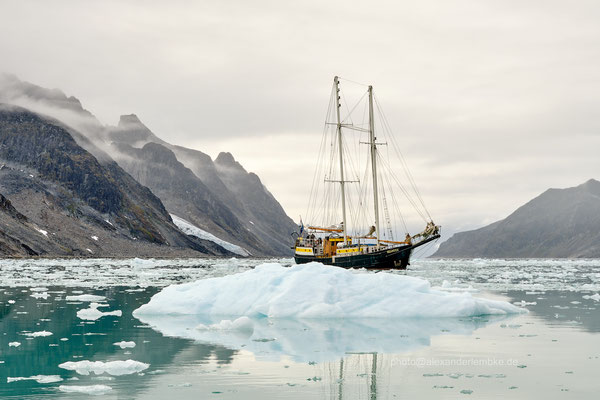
(124, 345)
(85, 297)
(14, 344)
(91, 389)
(595, 297)
(524, 303)
(37, 334)
(92, 313)
(40, 295)
(190, 229)
(37, 378)
(317, 291)
(115, 368)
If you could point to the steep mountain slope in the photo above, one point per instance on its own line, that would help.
(264, 214)
(183, 193)
(65, 193)
(221, 209)
(558, 223)
(219, 197)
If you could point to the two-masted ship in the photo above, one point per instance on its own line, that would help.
(365, 237)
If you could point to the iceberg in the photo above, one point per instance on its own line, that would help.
(315, 290)
(115, 368)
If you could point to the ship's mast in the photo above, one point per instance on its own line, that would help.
(374, 162)
(339, 133)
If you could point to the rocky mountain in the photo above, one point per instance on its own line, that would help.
(59, 199)
(558, 223)
(232, 204)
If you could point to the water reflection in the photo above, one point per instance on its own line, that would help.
(317, 340)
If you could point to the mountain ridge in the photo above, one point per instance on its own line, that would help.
(226, 213)
(559, 223)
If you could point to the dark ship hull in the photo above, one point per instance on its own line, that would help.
(391, 258)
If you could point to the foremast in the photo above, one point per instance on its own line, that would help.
(373, 146)
(341, 150)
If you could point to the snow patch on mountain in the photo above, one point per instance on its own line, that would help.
(190, 229)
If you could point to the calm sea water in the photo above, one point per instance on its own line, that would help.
(551, 352)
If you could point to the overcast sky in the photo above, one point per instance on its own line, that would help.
(494, 101)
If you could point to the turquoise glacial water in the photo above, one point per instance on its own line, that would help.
(551, 352)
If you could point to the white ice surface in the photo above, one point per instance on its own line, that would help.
(43, 232)
(85, 297)
(115, 368)
(190, 229)
(38, 334)
(91, 389)
(317, 291)
(595, 297)
(37, 378)
(124, 345)
(92, 313)
(14, 344)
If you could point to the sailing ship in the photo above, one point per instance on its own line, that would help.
(359, 241)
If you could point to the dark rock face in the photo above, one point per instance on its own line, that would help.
(230, 203)
(560, 223)
(220, 196)
(26, 139)
(183, 193)
(63, 185)
(263, 212)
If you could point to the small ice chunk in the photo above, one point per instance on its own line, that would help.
(40, 295)
(95, 238)
(115, 368)
(85, 297)
(524, 303)
(38, 334)
(11, 302)
(37, 378)
(91, 389)
(123, 344)
(14, 344)
(595, 297)
(92, 313)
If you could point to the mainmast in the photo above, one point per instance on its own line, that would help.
(373, 162)
(339, 133)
